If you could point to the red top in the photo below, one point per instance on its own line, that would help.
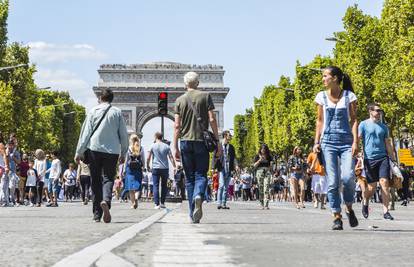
(215, 181)
(24, 167)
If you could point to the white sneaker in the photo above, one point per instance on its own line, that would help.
(198, 211)
(162, 206)
(31, 205)
(157, 207)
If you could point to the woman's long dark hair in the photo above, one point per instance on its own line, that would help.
(342, 77)
(295, 152)
(267, 151)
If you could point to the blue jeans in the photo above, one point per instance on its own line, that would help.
(339, 165)
(223, 187)
(50, 185)
(195, 159)
(157, 175)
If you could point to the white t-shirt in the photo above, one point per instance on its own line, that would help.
(150, 181)
(70, 177)
(320, 100)
(145, 178)
(55, 169)
(40, 166)
(31, 178)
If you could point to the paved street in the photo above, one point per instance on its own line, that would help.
(243, 235)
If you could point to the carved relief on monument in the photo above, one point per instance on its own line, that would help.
(127, 115)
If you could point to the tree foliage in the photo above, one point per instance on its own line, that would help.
(377, 53)
(50, 120)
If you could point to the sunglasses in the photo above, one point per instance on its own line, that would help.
(377, 110)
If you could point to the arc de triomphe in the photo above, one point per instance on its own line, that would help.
(136, 88)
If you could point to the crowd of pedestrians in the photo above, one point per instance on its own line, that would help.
(109, 165)
(37, 178)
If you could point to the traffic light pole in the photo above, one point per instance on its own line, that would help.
(162, 126)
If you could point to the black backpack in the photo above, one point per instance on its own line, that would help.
(135, 162)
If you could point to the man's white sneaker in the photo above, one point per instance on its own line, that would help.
(162, 206)
(157, 207)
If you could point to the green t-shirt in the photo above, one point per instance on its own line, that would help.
(203, 102)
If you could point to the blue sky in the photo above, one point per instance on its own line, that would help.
(256, 41)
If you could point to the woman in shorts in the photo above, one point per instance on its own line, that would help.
(297, 167)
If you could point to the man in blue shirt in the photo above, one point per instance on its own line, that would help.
(377, 150)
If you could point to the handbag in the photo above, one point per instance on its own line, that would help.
(396, 176)
(209, 139)
(87, 153)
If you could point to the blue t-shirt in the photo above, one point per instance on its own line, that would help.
(160, 153)
(48, 165)
(12, 165)
(373, 136)
(248, 181)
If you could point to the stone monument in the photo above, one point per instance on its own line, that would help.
(136, 88)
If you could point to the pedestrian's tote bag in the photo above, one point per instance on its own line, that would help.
(396, 175)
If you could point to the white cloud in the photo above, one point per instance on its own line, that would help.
(64, 80)
(42, 52)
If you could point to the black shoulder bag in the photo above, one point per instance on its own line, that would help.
(86, 154)
(208, 137)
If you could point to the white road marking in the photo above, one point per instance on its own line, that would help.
(110, 260)
(89, 255)
(183, 243)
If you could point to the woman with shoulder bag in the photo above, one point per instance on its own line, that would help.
(133, 169)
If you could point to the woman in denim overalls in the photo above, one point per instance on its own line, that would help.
(336, 138)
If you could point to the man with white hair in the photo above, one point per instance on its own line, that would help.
(194, 154)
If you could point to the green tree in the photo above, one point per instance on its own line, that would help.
(41, 119)
(4, 12)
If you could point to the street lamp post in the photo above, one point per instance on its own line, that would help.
(334, 39)
(69, 113)
(56, 105)
(13, 67)
(286, 89)
(314, 69)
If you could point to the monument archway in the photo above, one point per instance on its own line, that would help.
(136, 88)
(149, 115)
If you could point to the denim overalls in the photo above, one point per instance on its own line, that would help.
(336, 145)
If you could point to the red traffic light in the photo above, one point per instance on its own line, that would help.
(162, 95)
